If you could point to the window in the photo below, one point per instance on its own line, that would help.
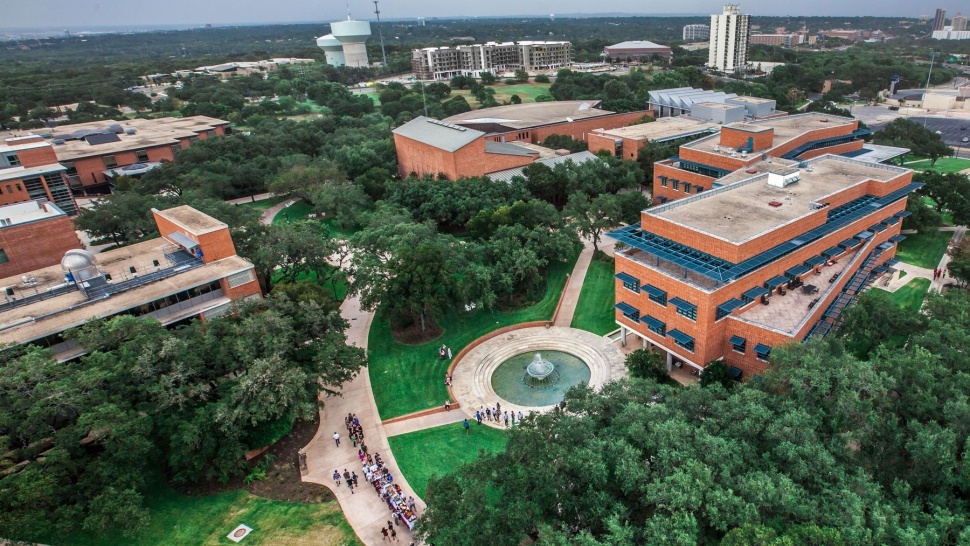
(685, 308)
(654, 325)
(9, 189)
(762, 352)
(242, 277)
(211, 133)
(12, 160)
(682, 340)
(18, 187)
(141, 156)
(630, 282)
(738, 343)
(3, 257)
(176, 149)
(663, 181)
(686, 187)
(657, 295)
(109, 161)
(676, 184)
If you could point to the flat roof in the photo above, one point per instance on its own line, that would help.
(22, 172)
(752, 100)
(662, 129)
(191, 219)
(522, 116)
(31, 211)
(150, 132)
(740, 211)
(53, 315)
(12, 146)
(786, 128)
(718, 105)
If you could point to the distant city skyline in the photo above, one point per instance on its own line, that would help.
(74, 14)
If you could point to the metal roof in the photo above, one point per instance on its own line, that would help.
(506, 148)
(551, 162)
(441, 135)
(637, 44)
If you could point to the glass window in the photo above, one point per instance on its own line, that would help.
(242, 277)
(739, 347)
(689, 345)
(686, 187)
(3, 257)
(141, 156)
(13, 160)
(633, 286)
(676, 185)
(663, 181)
(9, 189)
(109, 161)
(660, 298)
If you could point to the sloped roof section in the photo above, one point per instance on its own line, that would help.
(439, 134)
(505, 148)
(577, 158)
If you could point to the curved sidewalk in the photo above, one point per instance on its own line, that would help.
(364, 509)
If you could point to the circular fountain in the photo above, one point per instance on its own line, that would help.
(529, 379)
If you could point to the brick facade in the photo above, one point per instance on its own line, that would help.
(36, 245)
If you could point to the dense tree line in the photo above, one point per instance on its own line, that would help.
(836, 444)
(88, 437)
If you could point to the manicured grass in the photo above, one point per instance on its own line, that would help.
(293, 213)
(943, 165)
(410, 378)
(440, 450)
(911, 294)
(339, 292)
(503, 93)
(339, 232)
(178, 519)
(594, 312)
(924, 249)
(265, 203)
(947, 216)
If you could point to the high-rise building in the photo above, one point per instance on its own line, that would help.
(729, 39)
(940, 20)
(959, 22)
(693, 33)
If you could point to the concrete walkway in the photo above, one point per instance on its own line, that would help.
(574, 286)
(270, 213)
(415, 424)
(364, 509)
(250, 199)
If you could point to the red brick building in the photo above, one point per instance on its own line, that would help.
(29, 171)
(191, 271)
(33, 235)
(703, 164)
(771, 258)
(87, 150)
(626, 142)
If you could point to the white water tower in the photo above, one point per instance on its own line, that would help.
(333, 49)
(352, 35)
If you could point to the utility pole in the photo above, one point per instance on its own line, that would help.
(380, 33)
(927, 89)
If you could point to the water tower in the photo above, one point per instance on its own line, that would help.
(352, 35)
(333, 49)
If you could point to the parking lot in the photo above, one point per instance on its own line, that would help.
(953, 131)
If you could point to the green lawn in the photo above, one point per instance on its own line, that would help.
(440, 450)
(594, 312)
(911, 294)
(943, 165)
(178, 519)
(265, 203)
(947, 216)
(410, 378)
(924, 249)
(295, 212)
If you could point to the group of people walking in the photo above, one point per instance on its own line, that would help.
(939, 273)
(496, 414)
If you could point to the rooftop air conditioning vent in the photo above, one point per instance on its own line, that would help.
(130, 131)
(823, 120)
(58, 141)
(752, 171)
(774, 203)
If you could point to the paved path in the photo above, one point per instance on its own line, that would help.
(574, 286)
(250, 199)
(958, 233)
(270, 213)
(425, 421)
(364, 509)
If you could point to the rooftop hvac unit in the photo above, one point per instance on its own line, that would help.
(115, 128)
(130, 131)
(717, 148)
(57, 141)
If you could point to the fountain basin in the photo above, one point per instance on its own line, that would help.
(522, 380)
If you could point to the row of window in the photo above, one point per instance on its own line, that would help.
(10, 188)
(656, 326)
(677, 185)
(740, 346)
(658, 296)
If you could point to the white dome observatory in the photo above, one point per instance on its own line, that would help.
(333, 49)
(352, 35)
(81, 265)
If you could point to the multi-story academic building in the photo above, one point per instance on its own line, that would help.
(29, 171)
(444, 63)
(770, 256)
(739, 149)
(190, 271)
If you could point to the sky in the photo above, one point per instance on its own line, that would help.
(75, 14)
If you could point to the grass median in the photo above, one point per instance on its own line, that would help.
(410, 378)
(594, 311)
(440, 450)
(911, 294)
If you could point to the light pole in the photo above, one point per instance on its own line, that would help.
(927, 88)
(380, 32)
